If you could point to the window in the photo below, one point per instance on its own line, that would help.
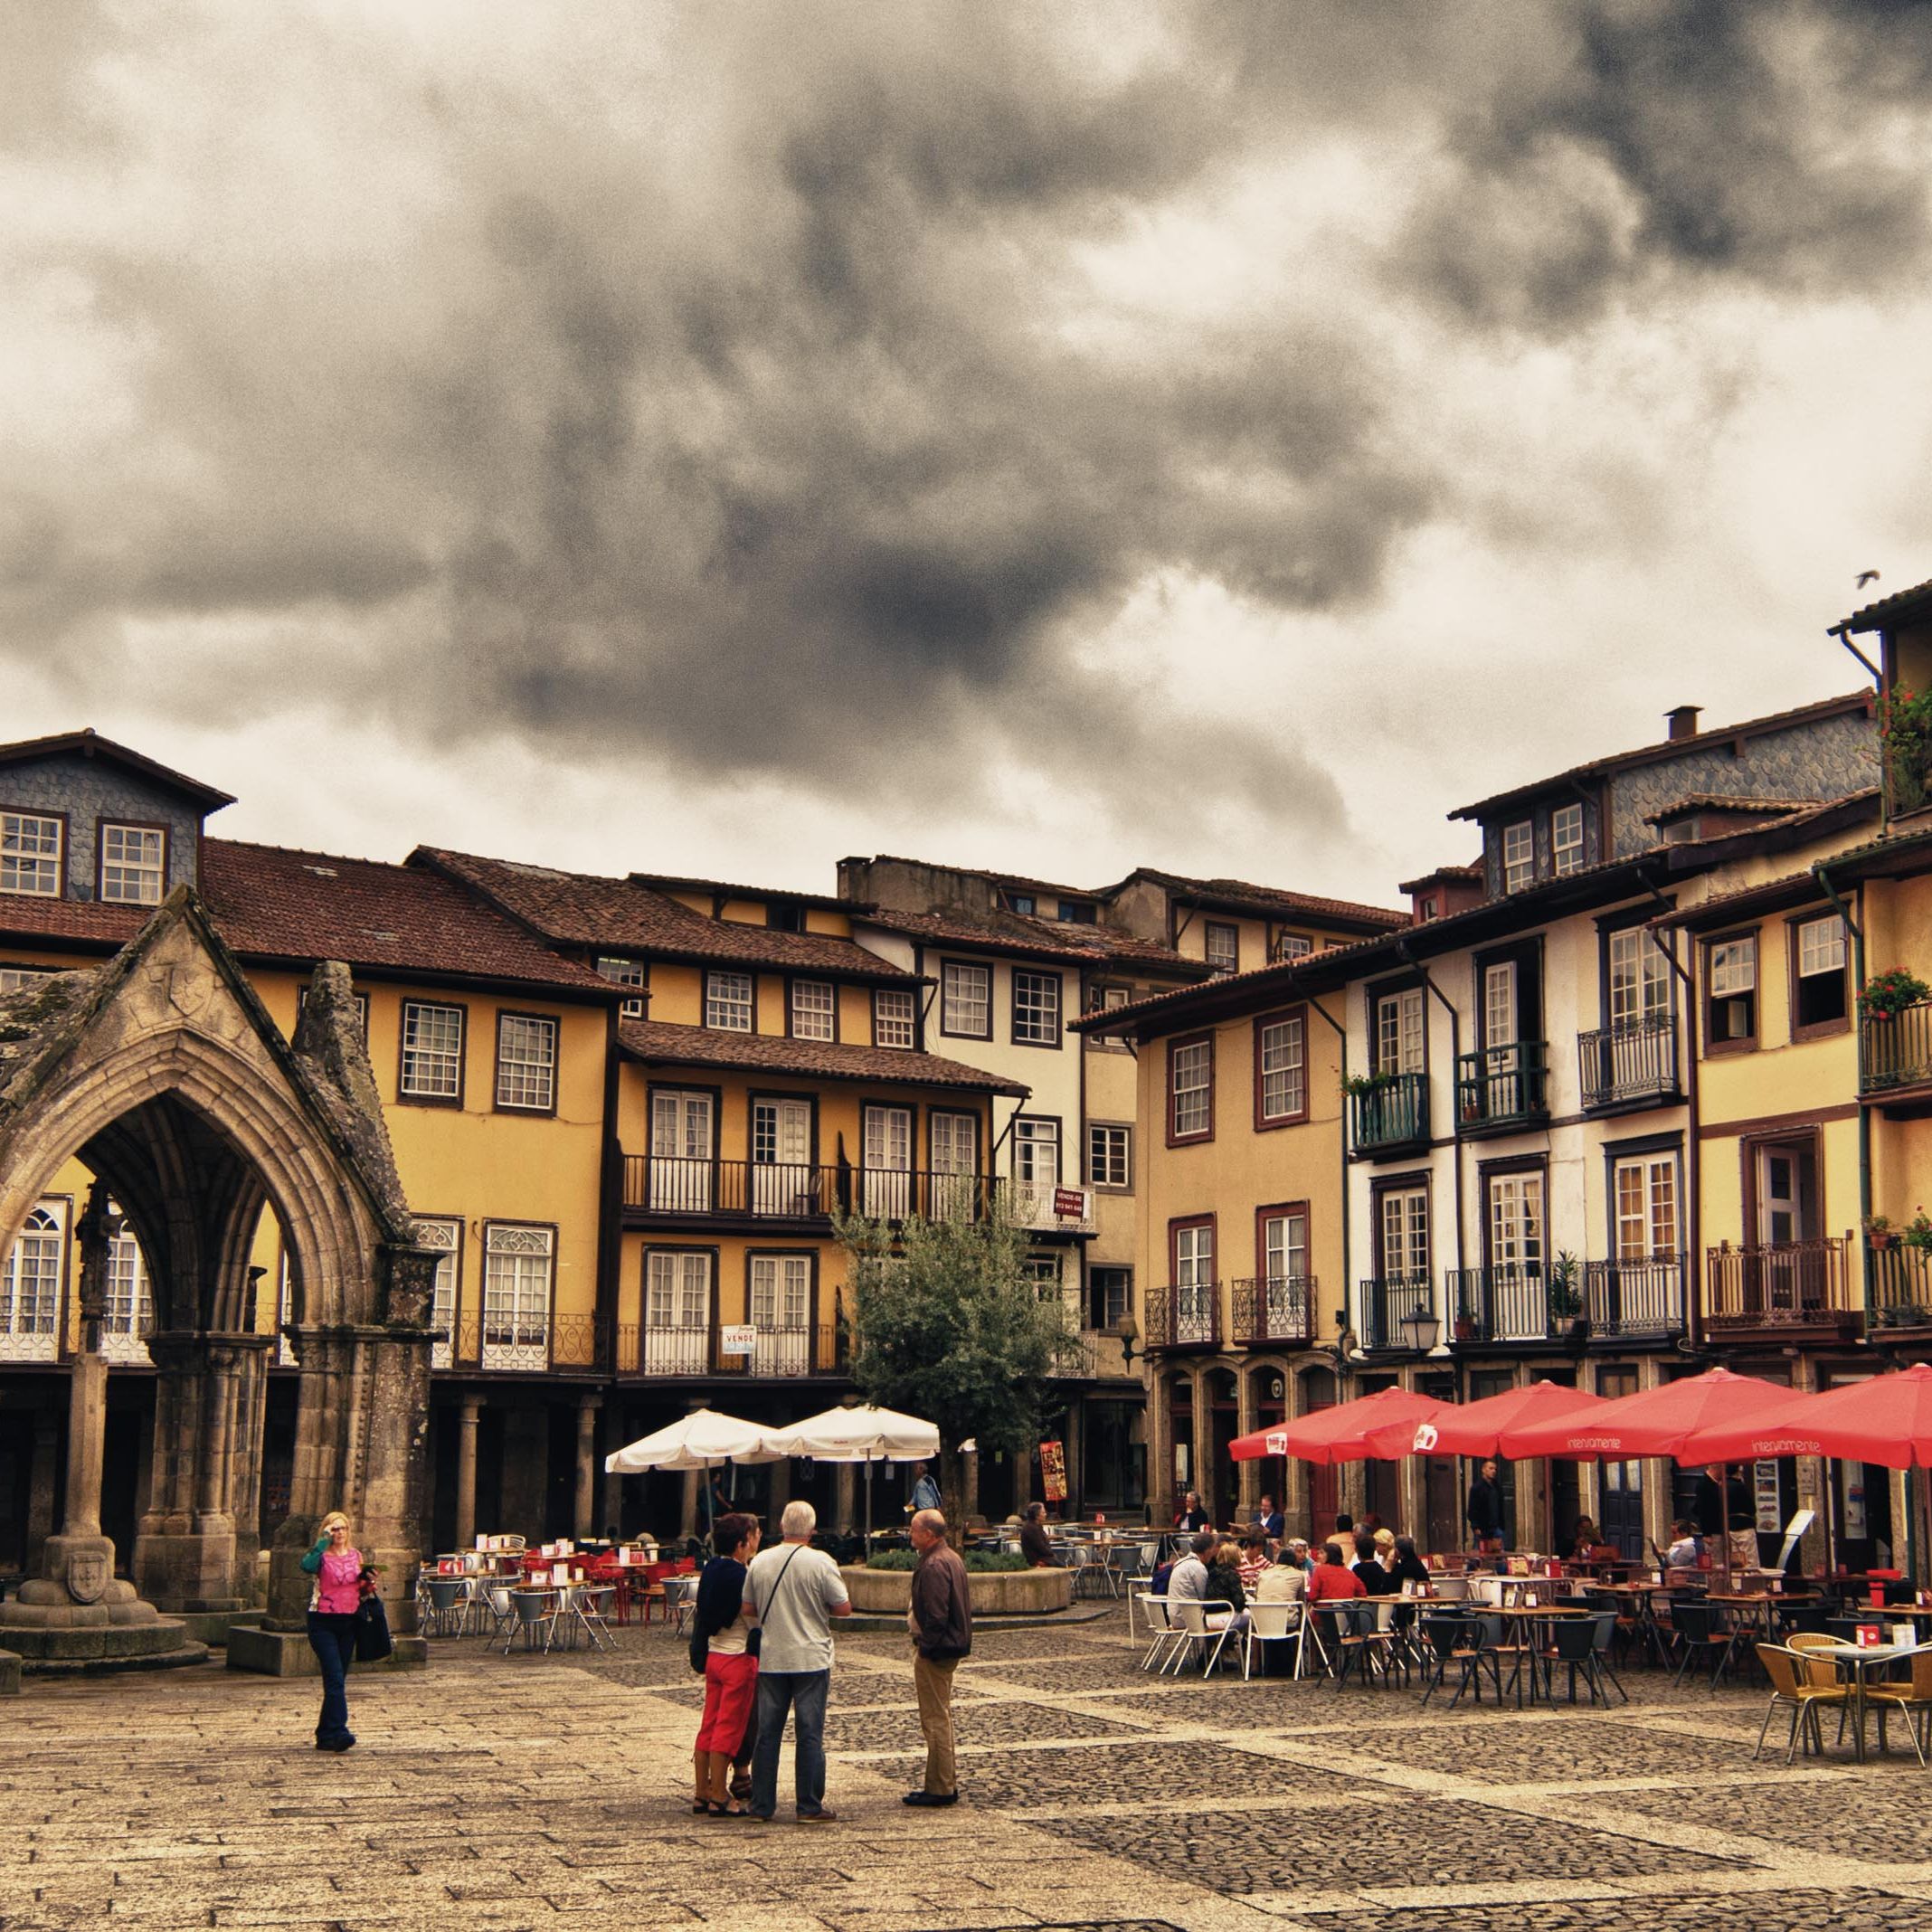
(1107, 1000)
(1285, 1246)
(1110, 1293)
(813, 1011)
(780, 1311)
(886, 1179)
(1036, 1152)
(1079, 912)
(1402, 1234)
(1566, 840)
(1516, 1223)
(30, 1287)
(728, 1001)
(966, 1000)
(624, 973)
(18, 978)
(893, 1018)
(1818, 998)
(1224, 947)
(681, 1134)
(784, 915)
(1640, 978)
(1194, 1297)
(133, 865)
(432, 1052)
(517, 1265)
(1036, 1008)
(1190, 1090)
(1733, 974)
(1293, 946)
(1044, 1271)
(676, 1312)
(1281, 1071)
(1645, 1192)
(1426, 911)
(1499, 1004)
(129, 1307)
(1519, 856)
(30, 854)
(526, 1063)
(954, 1140)
(446, 1236)
(1110, 1156)
(1021, 902)
(1398, 1032)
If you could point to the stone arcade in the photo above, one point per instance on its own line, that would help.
(164, 1074)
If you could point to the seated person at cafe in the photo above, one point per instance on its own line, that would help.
(1406, 1567)
(1269, 1521)
(1687, 1550)
(1224, 1586)
(1283, 1581)
(1345, 1532)
(1328, 1580)
(1297, 1548)
(1253, 1558)
(1585, 1542)
(1192, 1517)
(1186, 1581)
(1034, 1545)
(1375, 1581)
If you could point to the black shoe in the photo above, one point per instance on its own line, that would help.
(930, 1797)
(334, 1743)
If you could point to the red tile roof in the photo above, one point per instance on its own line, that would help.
(1040, 939)
(664, 1045)
(267, 902)
(1878, 616)
(625, 916)
(787, 895)
(1240, 894)
(103, 928)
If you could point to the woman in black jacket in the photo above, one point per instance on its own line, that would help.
(731, 1663)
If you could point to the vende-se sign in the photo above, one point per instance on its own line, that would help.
(737, 1341)
(1070, 1204)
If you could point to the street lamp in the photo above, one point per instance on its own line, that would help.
(1422, 1329)
(1129, 1332)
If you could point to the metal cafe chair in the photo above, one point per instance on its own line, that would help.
(590, 1609)
(448, 1597)
(1158, 1628)
(1195, 1633)
(1267, 1624)
(501, 1611)
(536, 1610)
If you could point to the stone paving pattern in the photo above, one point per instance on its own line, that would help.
(505, 1793)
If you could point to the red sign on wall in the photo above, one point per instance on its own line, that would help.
(1052, 1472)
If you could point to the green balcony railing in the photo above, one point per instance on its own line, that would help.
(1502, 1087)
(1895, 1049)
(1901, 1285)
(1393, 1112)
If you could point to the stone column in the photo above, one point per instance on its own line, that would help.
(1074, 1452)
(845, 1496)
(1162, 1501)
(1203, 1443)
(466, 1417)
(42, 1492)
(584, 1519)
(970, 1468)
(1247, 1419)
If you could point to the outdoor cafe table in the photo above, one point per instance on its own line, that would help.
(1858, 1661)
(1534, 1618)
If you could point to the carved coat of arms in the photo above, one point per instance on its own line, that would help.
(88, 1573)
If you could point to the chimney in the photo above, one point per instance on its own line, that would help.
(1682, 722)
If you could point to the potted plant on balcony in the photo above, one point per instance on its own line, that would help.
(1888, 993)
(1359, 1086)
(1916, 1233)
(1882, 1232)
(1904, 731)
(1562, 1293)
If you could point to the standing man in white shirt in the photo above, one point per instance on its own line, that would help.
(795, 1591)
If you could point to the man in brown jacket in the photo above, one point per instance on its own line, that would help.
(940, 1621)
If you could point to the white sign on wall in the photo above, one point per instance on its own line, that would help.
(737, 1341)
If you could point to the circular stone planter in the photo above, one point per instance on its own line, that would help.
(993, 1593)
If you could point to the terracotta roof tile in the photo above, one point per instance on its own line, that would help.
(25, 917)
(1046, 939)
(1876, 616)
(1277, 899)
(625, 916)
(267, 901)
(665, 1045)
(1726, 801)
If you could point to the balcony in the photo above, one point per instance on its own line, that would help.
(124, 1343)
(1635, 1299)
(1385, 1302)
(1895, 1053)
(1502, 1088)
(1045, 1207)
(1783, 1285)
(1274, 1310)
(31, 1338)
(1187, 1317)
(524, 1344)
(1901, 1280)
(783, 1352)
(1389, 1115)
(666, 1187)
(1633, 1065)
(1509, 1302)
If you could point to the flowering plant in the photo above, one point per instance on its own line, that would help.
(1891, 991)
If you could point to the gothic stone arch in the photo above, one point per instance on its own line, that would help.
(165, 1073)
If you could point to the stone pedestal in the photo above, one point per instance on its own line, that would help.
(286, 1653)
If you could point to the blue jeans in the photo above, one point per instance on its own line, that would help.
(333, 1639)
(803, 1693)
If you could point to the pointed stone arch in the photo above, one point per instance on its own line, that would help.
(163, 1073)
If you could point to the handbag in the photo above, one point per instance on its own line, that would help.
(372, 1632)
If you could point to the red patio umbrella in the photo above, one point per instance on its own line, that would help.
(1652, 1422)
(1473, 1428)
(1340, 1435)
(1887, 1420)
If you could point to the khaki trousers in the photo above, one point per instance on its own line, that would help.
(932, 1678)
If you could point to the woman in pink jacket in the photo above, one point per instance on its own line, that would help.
(337, 1565)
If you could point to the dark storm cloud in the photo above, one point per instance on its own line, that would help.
(730, 392)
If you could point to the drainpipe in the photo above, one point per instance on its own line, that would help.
(1864, 1112)
(1341, 1038)
(1693, 1147)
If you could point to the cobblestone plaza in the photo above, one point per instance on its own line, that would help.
(505, 1791)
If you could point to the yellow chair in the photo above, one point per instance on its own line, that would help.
(1791, 1673)
(1909, 1698)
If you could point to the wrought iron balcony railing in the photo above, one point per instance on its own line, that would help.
(1184, 1316)
(678, 1185)
(1272, 1310)
(1635, 1298)
(1502, 1087)
(1781, 1285)
(1392, 1112)
(1382, 1303)
(1635, 1060)
(1507, 1302)
(1895, 1049)
(782, 1350)
(1901, 1285)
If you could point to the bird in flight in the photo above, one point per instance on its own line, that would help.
(1867, 576)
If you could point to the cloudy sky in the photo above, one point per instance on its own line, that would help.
(718, 438)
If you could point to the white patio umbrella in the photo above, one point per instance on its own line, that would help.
(866, 1435)
(701, 1440)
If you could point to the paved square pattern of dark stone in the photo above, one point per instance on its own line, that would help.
(1257, 1706)
(1505, 1751)
(1439, 1842)
(1885, 1816)
(978, 1723)
(1783, 1911)
(1058, 1676)
(1129, 1773)
(851, 1689)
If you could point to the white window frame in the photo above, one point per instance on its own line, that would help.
(1282, 1049)
(1036, 1008)
(1566, 851)
(965, 989)
(1293, 946)
(624, 973)
(19, 978)
(32, 853)
(894, 1019)
(1498, 1003)
(423, 1055)
(1285, 1246)
(1734, 967)
(137, 880)
(32, 1274)
(520, 1285)
(1221, 958)
(1825, 955)
(1516, 1223)
(678, 1300)
(1643, 1191)
(814, 1010)
(1034, 1138)
(446, 1234)
(1640, 978)
(1401, 1044)
(1519, 856)
(1110, 1156)
(778, 1306)
(526, 1063)
(1190, 1099)
(1402, 1234)
(729, 1005)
